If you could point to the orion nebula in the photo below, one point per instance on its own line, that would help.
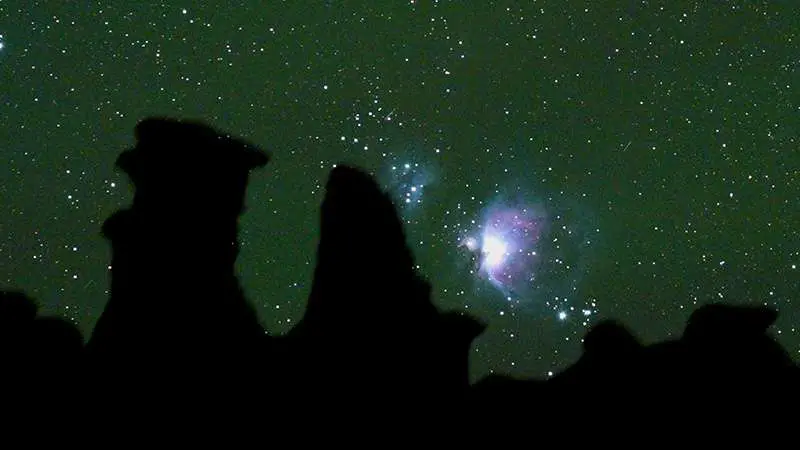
(504, 246)
(533, 254)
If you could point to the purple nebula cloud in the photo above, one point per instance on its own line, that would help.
(505, 245)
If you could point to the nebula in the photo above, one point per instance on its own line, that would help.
(505, 246)
(406, 181)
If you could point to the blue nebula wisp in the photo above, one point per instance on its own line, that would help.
(406, 182)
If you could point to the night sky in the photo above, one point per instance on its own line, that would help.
(556, 163)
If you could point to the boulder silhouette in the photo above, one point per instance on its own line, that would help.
(39, 355)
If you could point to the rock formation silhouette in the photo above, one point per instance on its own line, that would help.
(177, 335)
(176, 319)
(35, 349)
(370, 326)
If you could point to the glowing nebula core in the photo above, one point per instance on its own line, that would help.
(504, 245)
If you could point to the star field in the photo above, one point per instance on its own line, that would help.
(555, 163)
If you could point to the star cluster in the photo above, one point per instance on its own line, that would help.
(407, 181)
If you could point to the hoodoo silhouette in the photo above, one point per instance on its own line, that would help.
(176, 315)
(370, 323)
